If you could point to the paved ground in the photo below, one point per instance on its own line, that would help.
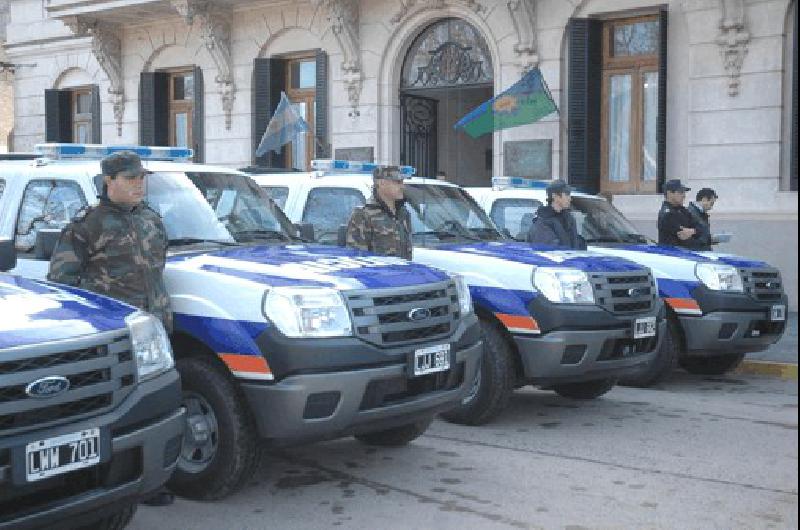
(785, 351)
(694, 453)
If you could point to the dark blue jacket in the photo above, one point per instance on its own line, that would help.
(557, 229)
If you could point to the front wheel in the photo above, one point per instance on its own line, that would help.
(396, 436)
(716, 365)
(664, 362)
(493, 384)
(220, 448)
(586, 390)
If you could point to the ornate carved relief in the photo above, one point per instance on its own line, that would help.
(215, 32)
(107, 50)
(344, 19)
(733, 39)
(523, 14)
(409, 6)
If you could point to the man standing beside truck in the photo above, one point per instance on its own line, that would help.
(676, 226)
(704, 203)
(118, 249)
(382, 225)
(554, 224)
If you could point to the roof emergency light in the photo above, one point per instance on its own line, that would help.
(96, 152)
(505, 183)
(346, 166)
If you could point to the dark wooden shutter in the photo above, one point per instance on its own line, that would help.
(661, 121)
(58, 115)
(199, 117)
(154, 108)
(97, 116)
(322, 147)
(793, 164)
(584, 103)
(269, 79)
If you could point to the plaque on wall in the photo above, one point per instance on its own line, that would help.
(356, 154)
(529, 159)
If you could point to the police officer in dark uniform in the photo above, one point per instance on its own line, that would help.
(676, 225)
(118, 249)
(554, 224)
(382, 225)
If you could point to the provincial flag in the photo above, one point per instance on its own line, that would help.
(285, 126)
(527, 101)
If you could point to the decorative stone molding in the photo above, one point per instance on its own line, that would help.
(733, 39)
(107, 50)
(409, 6)
(344, 19)
(215, 32)
(523, 15)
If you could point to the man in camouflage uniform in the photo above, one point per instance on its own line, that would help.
(118, 248)
(382, 225)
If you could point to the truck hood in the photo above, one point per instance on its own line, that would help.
(309, 265)
(34, 312)
(540, 256)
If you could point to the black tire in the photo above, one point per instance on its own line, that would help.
(664, 362)
(585, 390)
(494, 383)
(396, 436)
(716, 365)
(214, 472)
(118, 521)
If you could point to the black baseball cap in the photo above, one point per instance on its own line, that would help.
(388, 173)
(675, 185)
(558, 187)
(123, 163)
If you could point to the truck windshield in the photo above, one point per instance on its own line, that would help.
(600, 223)
(186, 216)
(245, 210)
(445, 214)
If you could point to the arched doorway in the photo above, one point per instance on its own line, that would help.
(447, 72)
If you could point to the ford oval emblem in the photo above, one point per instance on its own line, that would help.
(47, 387)
(418, 314)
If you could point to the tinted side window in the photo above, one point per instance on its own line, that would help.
(46, 204)
(516, 215)
(279, 194)
(329, 208)
(2, 187)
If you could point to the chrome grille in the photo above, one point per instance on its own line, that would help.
(382, 316)
(101, 371)
(764, 285)
(624, 293)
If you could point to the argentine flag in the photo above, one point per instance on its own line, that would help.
(286, 124)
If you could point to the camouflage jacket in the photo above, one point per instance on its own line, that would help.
(117, 252)
(374, 228)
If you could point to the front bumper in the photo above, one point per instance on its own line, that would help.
(730, 332)
(318, 406)
(576, 356)
(144, 435)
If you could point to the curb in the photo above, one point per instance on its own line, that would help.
(781, 370)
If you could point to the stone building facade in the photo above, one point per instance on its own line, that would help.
(701, 90)
(6, 87)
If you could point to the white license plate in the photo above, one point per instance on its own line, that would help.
(644, 327)
(432, 359)
(778, 313)
(62, 454)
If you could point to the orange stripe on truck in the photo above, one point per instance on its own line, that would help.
(688, 306)
(518, 323)
(252, 366)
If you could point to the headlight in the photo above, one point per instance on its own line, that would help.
(563, 286)
(719, 277)
(308, 312)
(464, 298)
(150, 343)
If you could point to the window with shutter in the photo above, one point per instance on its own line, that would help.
(73, 115)
(153, 108)
(269, 79)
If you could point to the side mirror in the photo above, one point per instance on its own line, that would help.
(8, 255)
(46, 240)
(506, 232)
(341, 236)
(305, 231)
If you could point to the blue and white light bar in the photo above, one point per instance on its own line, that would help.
(97, 152)
(505, 183)
(346, 166)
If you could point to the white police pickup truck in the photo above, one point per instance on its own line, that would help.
(573, 322)
(274, 340)
(720, 306)
(90, 416)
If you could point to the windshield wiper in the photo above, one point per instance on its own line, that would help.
(442, 234)
(490, 233)
(637, 238)
(604, 240)
(185, 241)
(262, 234)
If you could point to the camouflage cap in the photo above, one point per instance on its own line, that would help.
(123, 163)
(388, 173)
